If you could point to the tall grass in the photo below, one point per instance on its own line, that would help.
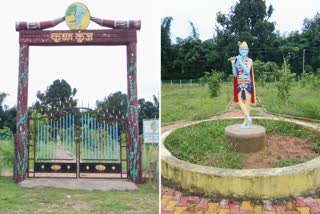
(6, 155)
(150, 161)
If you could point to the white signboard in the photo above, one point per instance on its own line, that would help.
(151, 131)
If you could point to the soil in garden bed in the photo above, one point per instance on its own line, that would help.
(280, 151)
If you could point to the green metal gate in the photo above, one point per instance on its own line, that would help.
(77, 143)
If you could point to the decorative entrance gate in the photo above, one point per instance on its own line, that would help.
(77, 18)
(77, 143)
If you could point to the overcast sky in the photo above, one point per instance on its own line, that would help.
(94, 70)
(287, 14)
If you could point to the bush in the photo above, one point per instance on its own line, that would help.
(214, 83)
(6, 134)
(310, 110)
(264, 71)
(309, 78)
(315, 81)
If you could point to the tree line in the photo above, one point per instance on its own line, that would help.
(247, 20)
(60, 94)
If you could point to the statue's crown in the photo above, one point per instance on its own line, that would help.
(242, 45)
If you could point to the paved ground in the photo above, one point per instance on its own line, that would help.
(175, 202)
(80, 184)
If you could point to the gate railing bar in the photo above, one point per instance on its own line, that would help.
(44, 159)
(34, 149)
(102, 159)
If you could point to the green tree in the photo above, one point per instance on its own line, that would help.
(147, 110)
(7, 115)
(2, 97)
(117, 104)
(194, 31)
(9, 119)
(114, 103)
(248, 20)
(167, 50)
(58, 95)
(311, 41)
(191, 60)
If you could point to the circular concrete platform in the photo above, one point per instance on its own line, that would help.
(249, 183)
(245, 140)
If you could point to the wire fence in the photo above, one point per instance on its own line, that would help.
(183, 83)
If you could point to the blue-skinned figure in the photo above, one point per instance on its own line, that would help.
(244, 88)
(79, 16)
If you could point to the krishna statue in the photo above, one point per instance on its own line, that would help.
(244, 87)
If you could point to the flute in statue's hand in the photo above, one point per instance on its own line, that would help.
(232, 60)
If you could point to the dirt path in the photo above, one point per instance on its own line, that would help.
(62, 154)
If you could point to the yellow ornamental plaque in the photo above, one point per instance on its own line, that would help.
(55, 167)
(100, 168)
(77, 16)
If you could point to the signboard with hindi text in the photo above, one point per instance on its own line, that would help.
(151, 131)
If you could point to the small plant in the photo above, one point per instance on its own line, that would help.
(305, 78)
(285, 82)
(214, 83)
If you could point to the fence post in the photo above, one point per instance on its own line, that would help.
(180, 83)
(171, 83)
(191, 82)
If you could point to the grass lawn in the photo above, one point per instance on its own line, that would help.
(303, 102)
(204, 143)
(14, 199)
(191, 103)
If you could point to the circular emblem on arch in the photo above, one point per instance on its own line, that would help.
(77, 16)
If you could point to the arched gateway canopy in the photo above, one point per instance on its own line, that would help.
(120, 33)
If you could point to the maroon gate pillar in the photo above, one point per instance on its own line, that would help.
(135, 154)
(21, 149)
